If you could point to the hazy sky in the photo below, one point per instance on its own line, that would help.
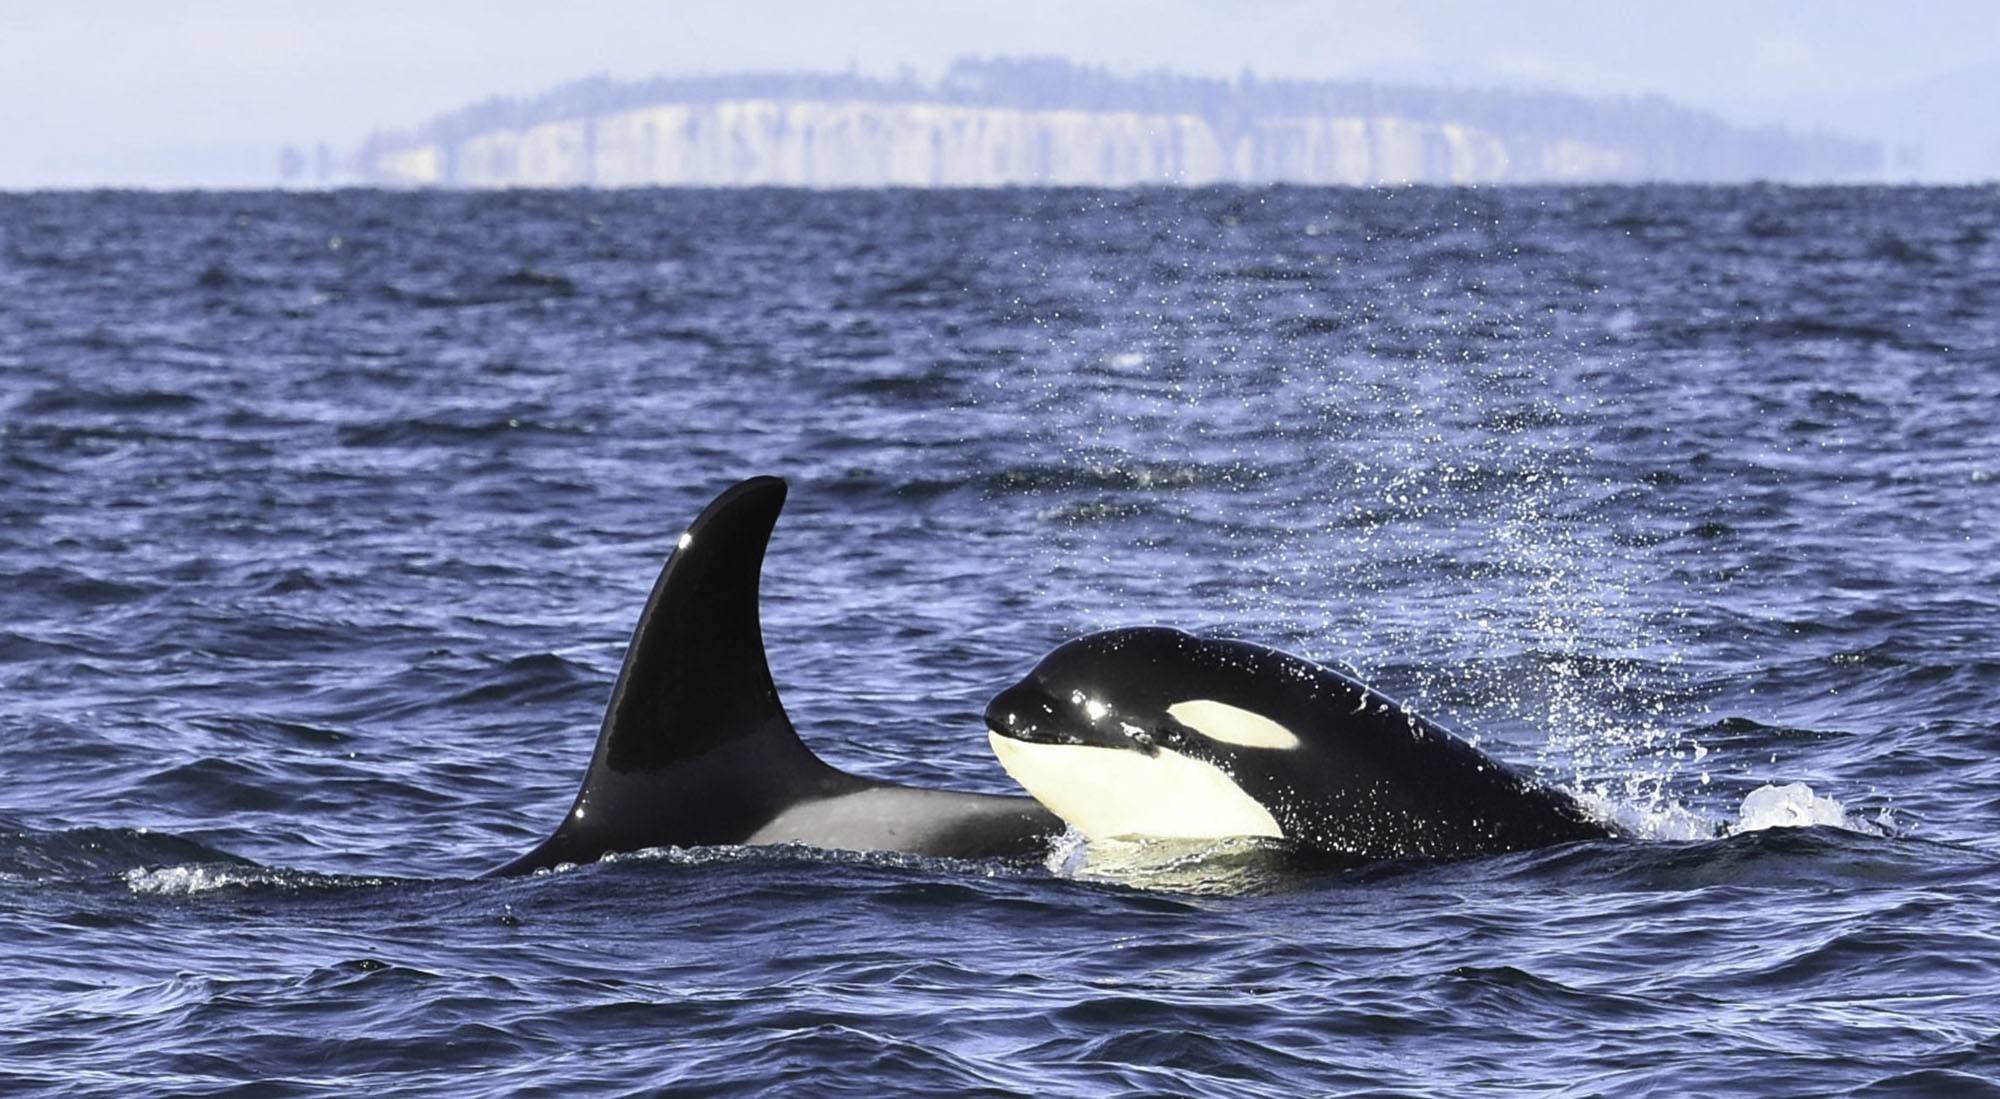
(136, 93)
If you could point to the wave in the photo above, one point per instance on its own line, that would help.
(447, 429)
(59, 400)
(147, 863)
(538, 677)
(522, 284)
(86, 853)
(1126, 476)
(74, 586)
(190, 880)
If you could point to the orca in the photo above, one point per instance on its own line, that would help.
(696, 749)
(1153, 733)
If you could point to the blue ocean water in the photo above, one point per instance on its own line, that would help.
(324, 519)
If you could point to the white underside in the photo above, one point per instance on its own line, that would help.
(882, 818)
(1110, 793)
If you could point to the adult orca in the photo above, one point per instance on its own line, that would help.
(1151, 732)
(696, 749)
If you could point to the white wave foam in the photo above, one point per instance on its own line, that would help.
(196, 878)
(781, 852)
(1659, 818)
(184, 881)
(1793, 805)
(1654, 817)
(1068, 854)
(1232, 866)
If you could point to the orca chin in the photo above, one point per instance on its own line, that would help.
(1155, 733)
(696, 749)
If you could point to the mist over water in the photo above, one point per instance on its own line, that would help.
(324, 520)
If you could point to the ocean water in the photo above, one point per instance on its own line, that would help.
(324, 519)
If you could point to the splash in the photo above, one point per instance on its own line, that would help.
(1658, 818)
(1793, 805)
(1411, 493)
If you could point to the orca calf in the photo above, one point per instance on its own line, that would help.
(696, 749)
(1152, 732)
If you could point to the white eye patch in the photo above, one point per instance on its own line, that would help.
(1219, 721)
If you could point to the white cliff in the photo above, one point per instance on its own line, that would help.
(753, 142)
(996, 123)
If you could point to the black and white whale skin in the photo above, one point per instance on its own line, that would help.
(1155, 733)
(696, 749)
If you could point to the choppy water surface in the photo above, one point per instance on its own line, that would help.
(324, 518)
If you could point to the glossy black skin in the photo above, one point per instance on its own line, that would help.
(696, 748)
(1368, 779)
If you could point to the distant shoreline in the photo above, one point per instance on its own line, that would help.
(994, 123)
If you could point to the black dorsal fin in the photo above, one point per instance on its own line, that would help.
(696, 747)
(695, 673)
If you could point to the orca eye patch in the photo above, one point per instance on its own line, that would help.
(1220, 721)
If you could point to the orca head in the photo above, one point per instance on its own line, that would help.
(1141, 732)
